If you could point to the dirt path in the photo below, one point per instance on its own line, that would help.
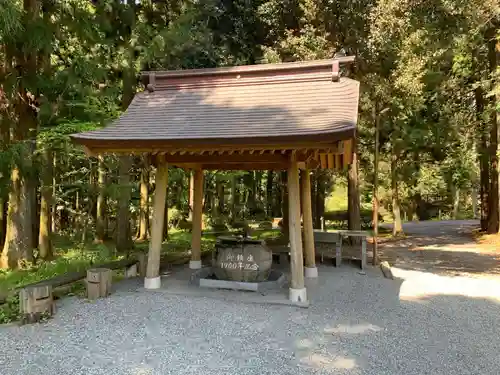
(445, 247)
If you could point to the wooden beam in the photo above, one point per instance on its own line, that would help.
(244, 166)
(226, 159)
(195, 262)
(152, 280)
(310, 270)
(297, 289)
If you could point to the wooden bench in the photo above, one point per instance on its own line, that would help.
(332, 237)
(335, 237)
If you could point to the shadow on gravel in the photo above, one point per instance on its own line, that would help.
(448, 262)
(447, 248)
(409, 333)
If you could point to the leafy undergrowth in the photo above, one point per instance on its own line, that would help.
(67, 259)
(75, 258)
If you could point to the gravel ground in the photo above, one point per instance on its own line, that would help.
(358, 324)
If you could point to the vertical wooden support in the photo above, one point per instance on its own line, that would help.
(297, 289)
(142, 260)
(131, 271)
(98, 283)
(152, 280)
(310, 253)
(338, 251)
(195, 262)
(363, 253)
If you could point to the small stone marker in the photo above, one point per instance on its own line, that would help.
(36, 303)
(98, 283)
(386, 270)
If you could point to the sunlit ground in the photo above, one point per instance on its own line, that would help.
(419, 285)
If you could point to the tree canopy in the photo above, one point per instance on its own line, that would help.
(429, 74)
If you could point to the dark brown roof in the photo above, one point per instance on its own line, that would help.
(237, 105)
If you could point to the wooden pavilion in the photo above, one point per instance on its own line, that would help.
(289, 116)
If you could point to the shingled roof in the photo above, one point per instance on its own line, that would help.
(260, 103)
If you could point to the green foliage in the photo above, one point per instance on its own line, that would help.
(9, 311)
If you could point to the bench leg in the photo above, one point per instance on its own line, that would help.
(338, 252)
(283, 258)
(363, 253)
(131, 271)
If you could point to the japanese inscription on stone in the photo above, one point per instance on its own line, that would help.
(239, 262)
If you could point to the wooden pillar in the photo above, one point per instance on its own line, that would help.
(297, 288)
(310, 254)
(195, 262)
(152, 280)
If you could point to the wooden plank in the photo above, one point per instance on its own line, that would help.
(325, 237)
(351, 233)
(71, 277)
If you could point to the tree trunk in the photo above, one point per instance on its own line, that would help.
(15, 243)
(376, 118)
(397, 227)
(285, 207)
(53, 209)
(456, 202)
(191, 195)
(123, 231)
(19, 233)
(269, 193)
(101, 221)
(220, 196)
(234, 197)
(143, 209)
(4, 141)
(165, 218)
(319, 203)
(493, 198)
(484, 173)
(258, 189)
(45, 233)
(31, 186)
(354, 211)
(473, 196)
(18, 243)
(251, 185)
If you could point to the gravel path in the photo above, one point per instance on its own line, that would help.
(444, 247)
(358, 324)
